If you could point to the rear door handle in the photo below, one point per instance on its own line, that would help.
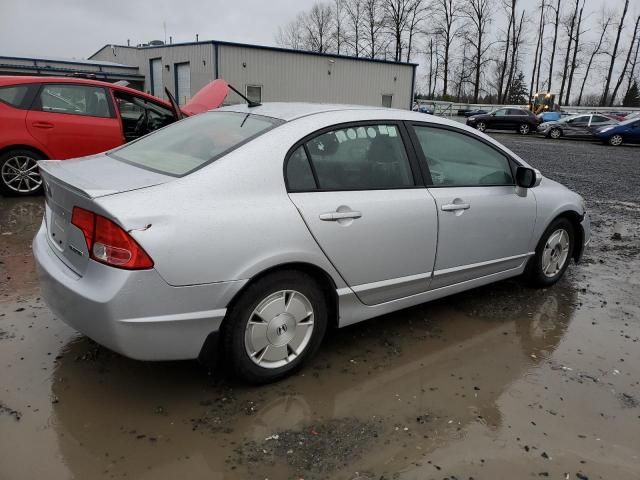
(335, 216)
(452, 207)
(42, 125)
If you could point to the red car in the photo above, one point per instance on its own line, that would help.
(65, 117)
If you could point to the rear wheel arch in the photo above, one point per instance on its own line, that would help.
(24, 147)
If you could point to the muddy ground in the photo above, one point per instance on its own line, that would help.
(498, 382)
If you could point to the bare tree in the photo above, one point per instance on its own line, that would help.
(597, 49)
(555, 41)
(503, 66)
(446, 13)
(338, 22)
(538, 46)
(397, 16)
(541, 33)
(570, 24)
(354, 15)
(626, 63)
(478, 12)
(374, 23)
(515, 47)
(632, 70)
(416, 16)
(605, 93)
(291, 35)
(576, 48)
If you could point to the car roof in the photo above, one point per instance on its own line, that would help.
(292, 110)
(7, 80)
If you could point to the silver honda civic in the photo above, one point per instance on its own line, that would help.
(244, 233)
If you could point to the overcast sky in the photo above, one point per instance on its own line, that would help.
(78, 28)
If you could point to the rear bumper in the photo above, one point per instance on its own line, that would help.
(135, 313)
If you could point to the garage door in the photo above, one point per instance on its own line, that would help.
(156, 77)
(183, 77)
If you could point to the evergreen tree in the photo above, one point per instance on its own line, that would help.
(518, 90)
(632, 98)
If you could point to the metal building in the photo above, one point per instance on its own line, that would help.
(267, 73)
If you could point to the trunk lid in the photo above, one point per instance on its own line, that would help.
(208, 97)
(72, 183)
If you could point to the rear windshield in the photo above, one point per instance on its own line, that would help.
(190, 144)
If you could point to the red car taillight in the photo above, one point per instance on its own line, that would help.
(108, 243)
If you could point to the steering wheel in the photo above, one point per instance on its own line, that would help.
(141, 123)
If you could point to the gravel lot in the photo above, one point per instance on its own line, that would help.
(498, 382)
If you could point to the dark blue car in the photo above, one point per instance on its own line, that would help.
(625, 132)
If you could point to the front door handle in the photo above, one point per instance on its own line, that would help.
(42, 125)
(452, 207)
(335, 216)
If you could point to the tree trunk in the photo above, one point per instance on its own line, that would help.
(626, 63)
(540, 56)
(605, 94)
(538, 44)
(503, 71)
(633, 65)
(514, 54)
(568, 54)
(553, 47)
(576, 45)
(430, 66)
(595, 52)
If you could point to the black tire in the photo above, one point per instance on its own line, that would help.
(555, 133)
(524, 129)
(235, 325)
(10, 188)
(534, 272)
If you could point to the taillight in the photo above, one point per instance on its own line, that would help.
(108, 243)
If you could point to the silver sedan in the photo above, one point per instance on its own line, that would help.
(244, 233)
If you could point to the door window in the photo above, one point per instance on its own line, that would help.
(367, 157)
(500, 113)
(299, 173)
(599, 119)
(75, 99)
(459, 160)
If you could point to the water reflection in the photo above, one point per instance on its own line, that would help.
(434, 369)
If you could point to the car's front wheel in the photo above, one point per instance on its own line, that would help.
(555, 133)
(615, 140)
(524, 129)
(275, 326)
(482, 126)
(553, 254)
(19, 174)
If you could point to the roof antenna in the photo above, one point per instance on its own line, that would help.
(250, 103)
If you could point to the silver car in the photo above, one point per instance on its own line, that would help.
(245, 232)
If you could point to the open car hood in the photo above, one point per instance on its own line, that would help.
(208, 97)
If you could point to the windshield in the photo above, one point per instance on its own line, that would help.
(190, 144)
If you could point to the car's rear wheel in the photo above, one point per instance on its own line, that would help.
(555, 133)
(553, 254)
(615, 140)
(524, 129)
(275, 326)
(481, 126)
(19, 173)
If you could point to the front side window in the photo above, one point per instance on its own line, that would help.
(500, 113)
(459, 160)
(366, 157)
(194, 142)
(75, 99)
(14, 96)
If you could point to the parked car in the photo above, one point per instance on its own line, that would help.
(65, 117)
(575, 126)
(425, 108)
(247, 232)
(627, 131)
(549, 116)
(517, 119)
(615, 115)
(466, 112)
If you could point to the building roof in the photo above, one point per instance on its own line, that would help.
(261, 47)
(73, 61)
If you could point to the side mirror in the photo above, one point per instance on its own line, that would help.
(528, 177)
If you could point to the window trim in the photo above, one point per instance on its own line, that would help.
(37, 101)
(414, 164)
(246, 90)
(423, 161)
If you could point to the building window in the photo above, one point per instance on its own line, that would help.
(155, 67)
(254, 93)
(387, 100)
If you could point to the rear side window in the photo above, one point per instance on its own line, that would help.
(75, 100)
(458, 160)
(192, 143)
(367, 157)
(599, 119)
(299, 173)
(14, 96)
